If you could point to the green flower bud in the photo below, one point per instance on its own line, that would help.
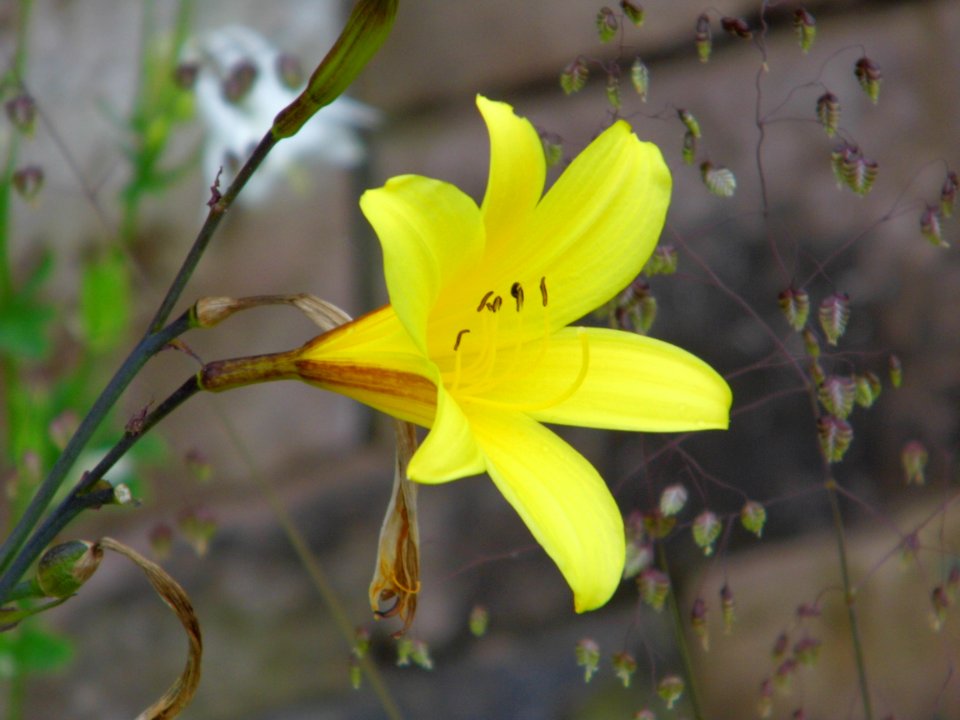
(64, 568)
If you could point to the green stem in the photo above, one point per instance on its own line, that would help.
(145, 349)
(84, 495)
(681, 637)
(218, 208)
(849, 598)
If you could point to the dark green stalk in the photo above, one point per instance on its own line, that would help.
(145, 349)
(849, 598)
(84, 495)
(218, 207)
(680, 636)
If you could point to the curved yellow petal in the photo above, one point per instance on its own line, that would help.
(429, 231)
(632, 382)
(517, 173)
(561, 498)
(450, 450)
(596, 227)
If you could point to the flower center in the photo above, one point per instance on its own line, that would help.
(499, 350)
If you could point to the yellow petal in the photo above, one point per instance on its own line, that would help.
(517, 173)
(632, 382)
(450, 450)
(561, 498)
(594, 230)
(429, 232)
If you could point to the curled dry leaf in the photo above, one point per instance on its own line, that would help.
(181, 692)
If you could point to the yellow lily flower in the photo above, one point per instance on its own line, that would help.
(475, 343)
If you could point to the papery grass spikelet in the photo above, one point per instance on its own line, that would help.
(28, 181)
(736, 27)
(807, 610)
(645, 714)
(765, 699)
(698, 622)
(780, 646)
(658, 525)
(22, 113)
(662, 262)
(806, 27)
(895, 368)
(816, 372)
(624, 666)
(670, 689)
(198, 526)
(690, 122)
(828, 113)
(914, 458)
(940, 603)
(719, 180)
(948, 194)
(869, 77)
(703, 37)
(852, 169)
(654, 586)
(160, 538)
(753, 517)
(672, 499)
(640, 78)
(588, 657)
(835, 436)
(361, 643)
(689, 150)
(633, 11)
(354, 672)
(783, 675)
(837, 394)
(612, 87)
(706, 529)
(479, 621)
(552, 148)
(728, 608)
(607, 24)
(639, 555)
(931, 228)
(811, 345)
(868, 388)
(834, 314)
(574, 76)
(289, 70)
(807, 650)
(795, 305)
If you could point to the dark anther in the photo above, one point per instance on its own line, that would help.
(516, 292)
(483, 301)
(456, 345)
(543, 290)
(495, 305)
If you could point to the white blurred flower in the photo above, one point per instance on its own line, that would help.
(240, 88)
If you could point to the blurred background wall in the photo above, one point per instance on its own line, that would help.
(272, 650)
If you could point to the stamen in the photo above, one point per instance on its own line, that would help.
(495, 305)
(516, 291)
(456, 345)
(483, 301)
(543, 290)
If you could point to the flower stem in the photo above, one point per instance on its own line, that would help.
(84, 495)
(680, 637)
(849, 598)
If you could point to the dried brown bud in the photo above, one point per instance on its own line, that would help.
(22, 112)
(239, 81)
(737, 27)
